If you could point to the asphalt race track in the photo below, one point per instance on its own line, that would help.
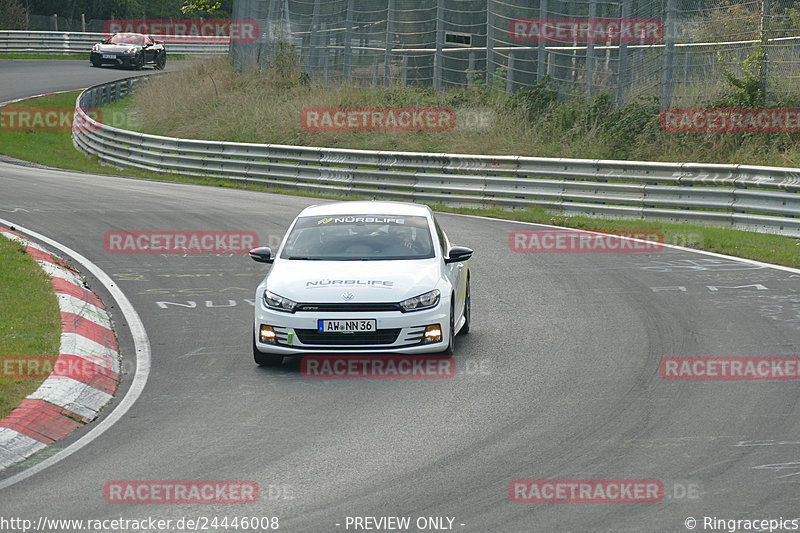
(558, 378)
(27, 77)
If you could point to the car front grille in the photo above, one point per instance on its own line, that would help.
(315, 338)
(348, 307)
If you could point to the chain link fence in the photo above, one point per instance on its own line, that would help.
(462, 43)
(56, 23)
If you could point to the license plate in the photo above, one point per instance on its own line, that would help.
(346, 326)
(109, 56)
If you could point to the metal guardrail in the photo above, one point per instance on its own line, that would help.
(741, 196)
(59, 42)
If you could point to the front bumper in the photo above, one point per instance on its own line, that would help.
(120, 60)
(397, 332)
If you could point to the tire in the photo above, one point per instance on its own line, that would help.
(467, 312)
(265, 359)
(451, 345)
(139, 63)
(161, 60)
(95, 64)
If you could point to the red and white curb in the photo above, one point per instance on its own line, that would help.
(66, 400)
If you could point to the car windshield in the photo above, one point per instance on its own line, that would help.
(127, 38)
(359, 237)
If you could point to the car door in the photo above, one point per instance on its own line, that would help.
(148, 49)
(455, 272)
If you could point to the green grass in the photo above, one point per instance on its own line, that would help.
(30, 321)
(209, 100)
(60, 153)
(55, 149)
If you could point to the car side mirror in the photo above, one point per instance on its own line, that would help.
(262, 254)
(458, 254)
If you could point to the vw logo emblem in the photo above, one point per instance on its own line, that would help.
(348, 296)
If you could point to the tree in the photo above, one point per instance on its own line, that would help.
(208, 8)
(12, 15)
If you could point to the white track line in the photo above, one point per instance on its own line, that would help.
(673, 246)
(141, 346)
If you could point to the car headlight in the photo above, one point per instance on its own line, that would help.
(279, 303)
(423, 301)
(95, 48)
(130, 51)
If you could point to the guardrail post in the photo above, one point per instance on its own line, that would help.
(348, 40)
(471, 70)
(669, 55)
(590, 54)
(542, 62)
(387, 60)
(622, 74)
(438, 54)
(107, 94)
(510, 76)
(311, 58)
(764, 38)
(117, 89)
(687, 60)
(490, 42)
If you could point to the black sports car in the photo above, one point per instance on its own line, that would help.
(132, 50)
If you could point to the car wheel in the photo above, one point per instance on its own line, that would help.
(451, 345)
(96, 64)
(161, 60)
(265, 359)
(139, 62)
(467, 312)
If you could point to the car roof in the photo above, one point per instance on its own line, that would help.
(367, 208)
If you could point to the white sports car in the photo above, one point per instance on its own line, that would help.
(361, 276)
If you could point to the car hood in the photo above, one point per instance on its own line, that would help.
(368, 281)
(116, 48)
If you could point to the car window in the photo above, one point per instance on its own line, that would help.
(126, 38)
(359, 237)
(444, 243)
